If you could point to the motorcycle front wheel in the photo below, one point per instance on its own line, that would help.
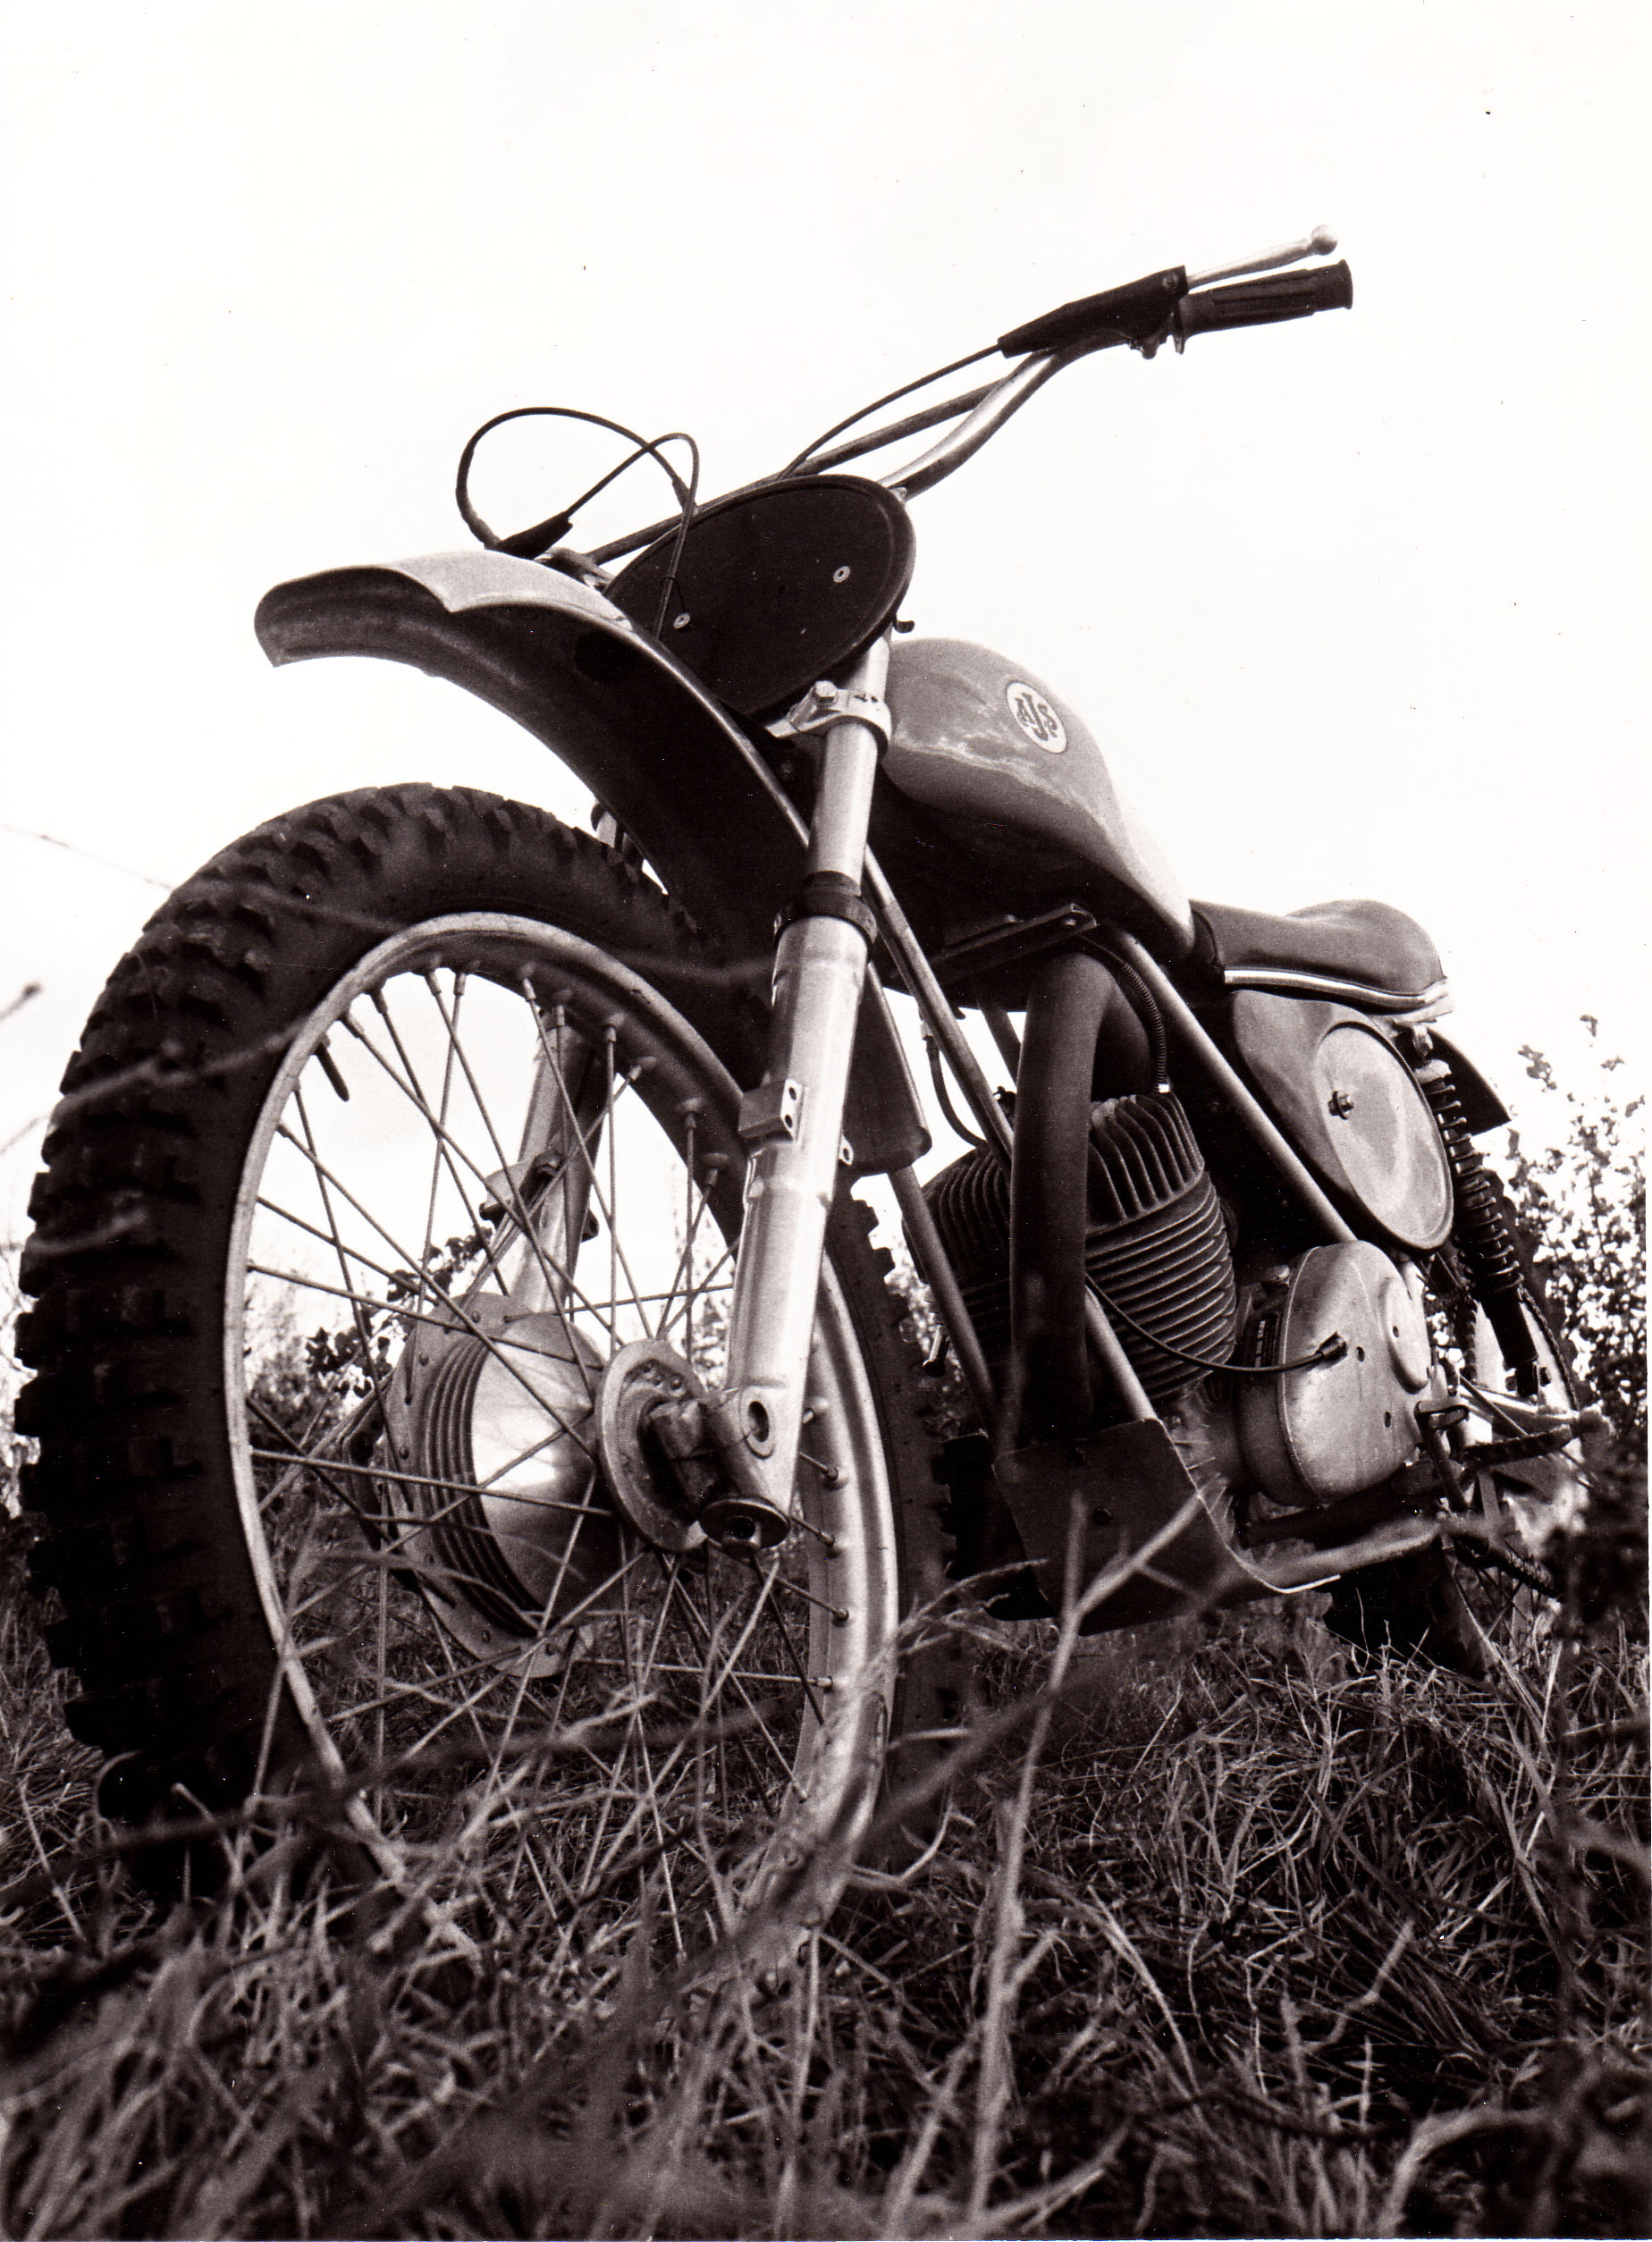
(405, 1117)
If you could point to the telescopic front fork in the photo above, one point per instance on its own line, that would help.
(792, 1123)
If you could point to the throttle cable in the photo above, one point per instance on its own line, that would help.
(894, 398)
(527, 544)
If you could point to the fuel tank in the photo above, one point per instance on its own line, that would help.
(1017, 785)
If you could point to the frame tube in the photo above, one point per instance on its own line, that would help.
(1198, 1047)
(937, 1272)
(931, 998)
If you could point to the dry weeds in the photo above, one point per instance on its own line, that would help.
(1221, 1940)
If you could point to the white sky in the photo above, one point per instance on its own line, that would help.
(1355, 606)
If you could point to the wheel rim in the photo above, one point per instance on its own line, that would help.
(1545, 1494)
(488, 1653)
(1532, 1501)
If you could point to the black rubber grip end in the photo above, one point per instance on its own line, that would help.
(1259, 303)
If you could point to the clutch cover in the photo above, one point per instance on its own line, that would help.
(1337, 1427)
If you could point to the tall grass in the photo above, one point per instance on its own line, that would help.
(1220, 1939)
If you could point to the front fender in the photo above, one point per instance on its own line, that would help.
(651, 743)
(636, 725)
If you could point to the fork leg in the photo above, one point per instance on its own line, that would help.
(547, 1192)
(792, 1123)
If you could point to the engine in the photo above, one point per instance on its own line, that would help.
(1156, 1248)
(1341, 1332)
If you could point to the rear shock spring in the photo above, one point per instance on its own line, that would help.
(1482, 1230)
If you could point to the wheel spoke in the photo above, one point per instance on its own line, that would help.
(457, 1156)
(451, 1023)
(421, 1276)
(705, 1634)
(616, 1254)
(500, 1353)
(363, 1336)
(295, 1455)
(465, 1490)
(438, 1156)
(437, 1121)
(507, 1668)
(692, 1293)
(795, 1660)
(554, 1276)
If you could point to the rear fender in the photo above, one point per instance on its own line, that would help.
(636, 725)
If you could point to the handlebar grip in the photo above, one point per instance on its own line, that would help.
(1257, 303)
(1135, 313)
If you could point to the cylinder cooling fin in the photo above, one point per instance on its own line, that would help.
(1158, 1250)
(1156, 1246)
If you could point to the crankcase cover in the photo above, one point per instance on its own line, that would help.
(1021, 789)
(1338, 1426)
(1354, 1110)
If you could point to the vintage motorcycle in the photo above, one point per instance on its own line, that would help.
(463, 1371)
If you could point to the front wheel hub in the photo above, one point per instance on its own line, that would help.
(649, 1436)
(490, 1422)
(656, 1435)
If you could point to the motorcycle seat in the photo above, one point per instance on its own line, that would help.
(1365, 953)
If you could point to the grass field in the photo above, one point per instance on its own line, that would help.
(1221, 1939)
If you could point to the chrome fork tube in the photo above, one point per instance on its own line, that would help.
(793, 1125)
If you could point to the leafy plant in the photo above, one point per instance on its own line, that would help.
(1584, 1196)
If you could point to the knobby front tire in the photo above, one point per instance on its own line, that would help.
(318, 1510)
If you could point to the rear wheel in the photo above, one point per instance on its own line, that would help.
(1532, 1500)
(1440, 1602)
(406, 1116)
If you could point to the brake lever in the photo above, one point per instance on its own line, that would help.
(1320, 242)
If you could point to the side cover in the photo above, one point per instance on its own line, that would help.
(648, 740)
(1353, 1108)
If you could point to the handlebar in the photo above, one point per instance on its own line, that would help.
(1143, 312)
(994, 408)
(1135, 313)
(1138, 312)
